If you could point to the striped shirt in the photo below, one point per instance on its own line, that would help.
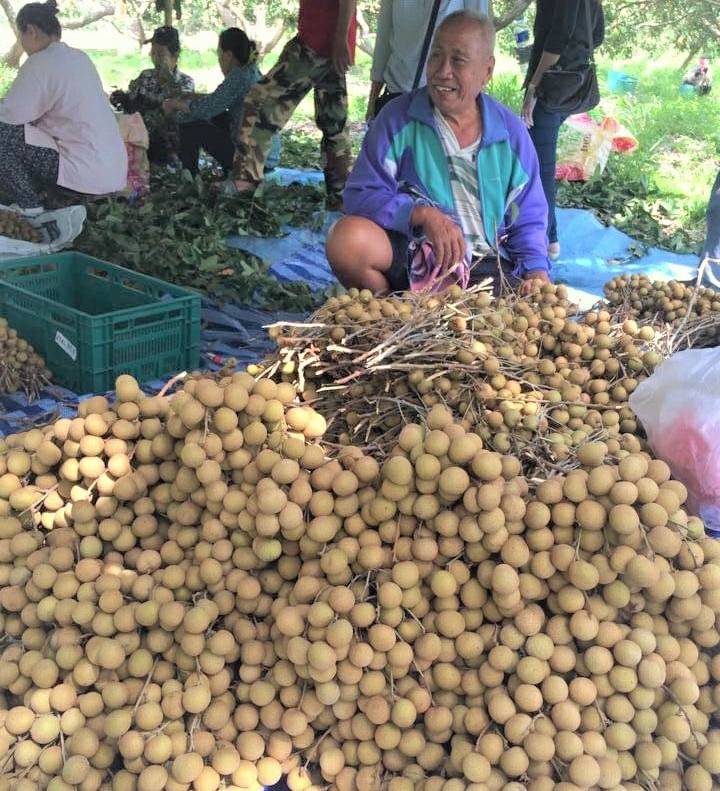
(462, 167)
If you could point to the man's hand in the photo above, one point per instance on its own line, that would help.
(172, 106)
(341, 54)
(375, 89)
(533, 281)
(445, 236)
(528, 107)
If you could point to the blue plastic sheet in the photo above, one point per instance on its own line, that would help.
(297, 256)
(285, 176)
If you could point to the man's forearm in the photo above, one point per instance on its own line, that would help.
(547, 60)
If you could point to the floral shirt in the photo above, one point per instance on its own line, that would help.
(151, 87)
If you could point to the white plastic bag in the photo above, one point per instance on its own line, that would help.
(679, 406)
(58, 228)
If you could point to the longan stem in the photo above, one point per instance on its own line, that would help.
(143, 691)
(171, 383)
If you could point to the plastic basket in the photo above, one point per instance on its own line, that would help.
(93, 321)
(619, 82)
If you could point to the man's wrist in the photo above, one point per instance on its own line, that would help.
(419, 215)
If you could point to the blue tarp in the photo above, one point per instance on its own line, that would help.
(300, 255)
(285, 176)
(592, 254)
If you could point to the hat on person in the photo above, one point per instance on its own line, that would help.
(166, 36)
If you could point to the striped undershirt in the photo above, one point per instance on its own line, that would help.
(462, 166)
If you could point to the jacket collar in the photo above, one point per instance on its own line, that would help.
(494, 129)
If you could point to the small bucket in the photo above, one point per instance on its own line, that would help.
(619, 82)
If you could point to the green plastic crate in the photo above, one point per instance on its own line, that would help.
(93, 321)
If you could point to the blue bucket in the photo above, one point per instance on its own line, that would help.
(619, 82)
(687, 90)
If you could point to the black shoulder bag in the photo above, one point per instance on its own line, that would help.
(426, 44)
(572, 91)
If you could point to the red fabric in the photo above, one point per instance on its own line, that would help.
(317, 23)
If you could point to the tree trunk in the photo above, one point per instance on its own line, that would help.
(88, 19)
(227, 17)
(365, 40)
(518, 9)
(688, 60)
(12, 56)
(272, 42)
(265, 35)
(168, 13)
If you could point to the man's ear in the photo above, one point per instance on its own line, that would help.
(490, 71)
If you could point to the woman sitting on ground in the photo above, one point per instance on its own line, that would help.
(449, 165)
(151, 88)
(211, 122)
(56, 124)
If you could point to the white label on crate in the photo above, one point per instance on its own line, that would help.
(66, 346)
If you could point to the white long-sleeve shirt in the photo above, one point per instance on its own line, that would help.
(58, 96)
(401, 29)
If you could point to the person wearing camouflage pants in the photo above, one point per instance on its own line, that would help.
(316, 59)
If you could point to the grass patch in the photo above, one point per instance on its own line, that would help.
(659, 193)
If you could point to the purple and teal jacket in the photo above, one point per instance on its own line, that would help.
(402, 165)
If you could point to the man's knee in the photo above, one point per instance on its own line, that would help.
(344, 240)
(356, 246)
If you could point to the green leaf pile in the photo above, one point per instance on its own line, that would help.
(179, 233)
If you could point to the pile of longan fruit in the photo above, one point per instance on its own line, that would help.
(196, 592)
(515, 369)
(660, 302)
(21, 367)
(16, 226)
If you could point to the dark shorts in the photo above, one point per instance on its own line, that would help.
(482, 268)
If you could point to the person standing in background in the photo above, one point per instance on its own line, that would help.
(566, 34)
(404, 31)
(710, 256)
(316, 59)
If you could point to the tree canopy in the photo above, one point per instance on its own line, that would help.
(690, 26)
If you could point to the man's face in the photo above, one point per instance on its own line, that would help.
(161, 57)
(459, 67)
